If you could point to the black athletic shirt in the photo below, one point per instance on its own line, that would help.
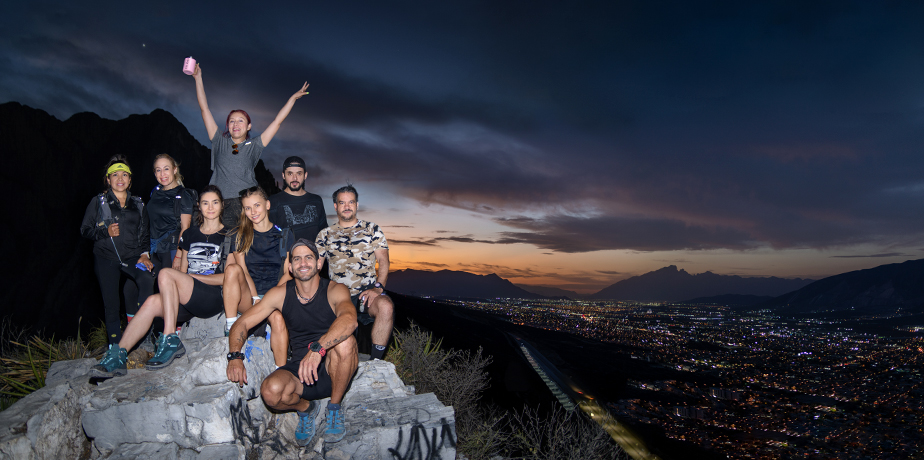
(263, 259)
(203, 251)
(304, 214)
(163, 220)
(306, 323)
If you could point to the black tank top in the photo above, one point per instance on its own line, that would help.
(308, 322)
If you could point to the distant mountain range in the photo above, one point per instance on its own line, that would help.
(882, 289)
(670, 284)
(667, 284)
(549, 291)
(450, 283)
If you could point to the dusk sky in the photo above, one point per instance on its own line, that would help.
(569, 144)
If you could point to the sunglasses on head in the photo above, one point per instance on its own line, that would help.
(248, 191)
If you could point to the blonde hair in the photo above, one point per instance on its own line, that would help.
(244, 238)
(176, 166)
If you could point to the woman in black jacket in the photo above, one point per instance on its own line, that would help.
(116, 222)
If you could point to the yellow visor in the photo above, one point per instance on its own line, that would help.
(118, 167)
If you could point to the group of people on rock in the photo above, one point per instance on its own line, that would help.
(247, 254)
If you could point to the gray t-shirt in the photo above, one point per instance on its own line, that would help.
(233, 173)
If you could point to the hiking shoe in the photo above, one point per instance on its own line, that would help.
(168, 348)
(112, 364)
(304, 432)
(335, 427)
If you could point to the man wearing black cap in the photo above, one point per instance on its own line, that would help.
(295, 208)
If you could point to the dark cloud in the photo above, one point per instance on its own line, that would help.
(609, 272)
(613, 125)
(412, 242)
(571, 234)
(888, 254)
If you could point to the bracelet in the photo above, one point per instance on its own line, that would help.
(255, 299)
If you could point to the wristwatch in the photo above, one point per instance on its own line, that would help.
(235, 355)
(317, 348)
(379, 285)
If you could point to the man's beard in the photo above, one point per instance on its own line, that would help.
(301, 185)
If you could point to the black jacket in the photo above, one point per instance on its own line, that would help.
(134, 236)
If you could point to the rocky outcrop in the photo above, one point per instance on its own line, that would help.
(190, 410)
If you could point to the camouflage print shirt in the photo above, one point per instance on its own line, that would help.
(350, 253)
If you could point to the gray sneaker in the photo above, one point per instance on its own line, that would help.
(168, 348)
(112, 364)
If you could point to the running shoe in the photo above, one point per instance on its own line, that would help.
(304, 432)
(335, 426)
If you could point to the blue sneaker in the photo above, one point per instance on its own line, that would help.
(304, 432)
(168, 348)
(335, 426)
(112, 364)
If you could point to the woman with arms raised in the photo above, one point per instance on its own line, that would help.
(193, 292)
(117, 223)
(234, 152)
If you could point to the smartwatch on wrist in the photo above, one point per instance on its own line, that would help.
(235, 355)
(317, 348)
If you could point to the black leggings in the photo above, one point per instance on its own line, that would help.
(163, 260)
(108, 273)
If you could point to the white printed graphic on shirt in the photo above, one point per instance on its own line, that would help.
(203, 258)
(307, 217)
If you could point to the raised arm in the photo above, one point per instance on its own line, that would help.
(210, 124)
(273, 128)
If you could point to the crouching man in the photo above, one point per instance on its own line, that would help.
(321, 319)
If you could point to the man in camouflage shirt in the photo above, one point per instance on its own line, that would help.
(352, 247)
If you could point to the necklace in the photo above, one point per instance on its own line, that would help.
(302, 299)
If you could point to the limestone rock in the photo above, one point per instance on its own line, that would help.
(191, 403)
(204, 328)
(189, 410)
(45, 424)
(62, 371)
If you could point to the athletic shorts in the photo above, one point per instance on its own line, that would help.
(363, 316)
(321, 388)
(204, 302)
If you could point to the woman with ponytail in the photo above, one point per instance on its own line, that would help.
(258, 262)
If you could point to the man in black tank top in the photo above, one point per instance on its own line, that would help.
(320, 318)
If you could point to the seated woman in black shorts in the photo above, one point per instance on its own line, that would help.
(196, 293)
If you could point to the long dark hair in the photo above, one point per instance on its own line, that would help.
(209, 189)
(245, 227)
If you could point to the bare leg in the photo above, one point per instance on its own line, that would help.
(175, 289)
(233, 290)
(382, 309)
(279, 342)
(282, 391)
(138, 328)
(342, 361)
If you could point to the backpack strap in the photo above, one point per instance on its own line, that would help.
(284, 249)
(104, 215)
(225, 250)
